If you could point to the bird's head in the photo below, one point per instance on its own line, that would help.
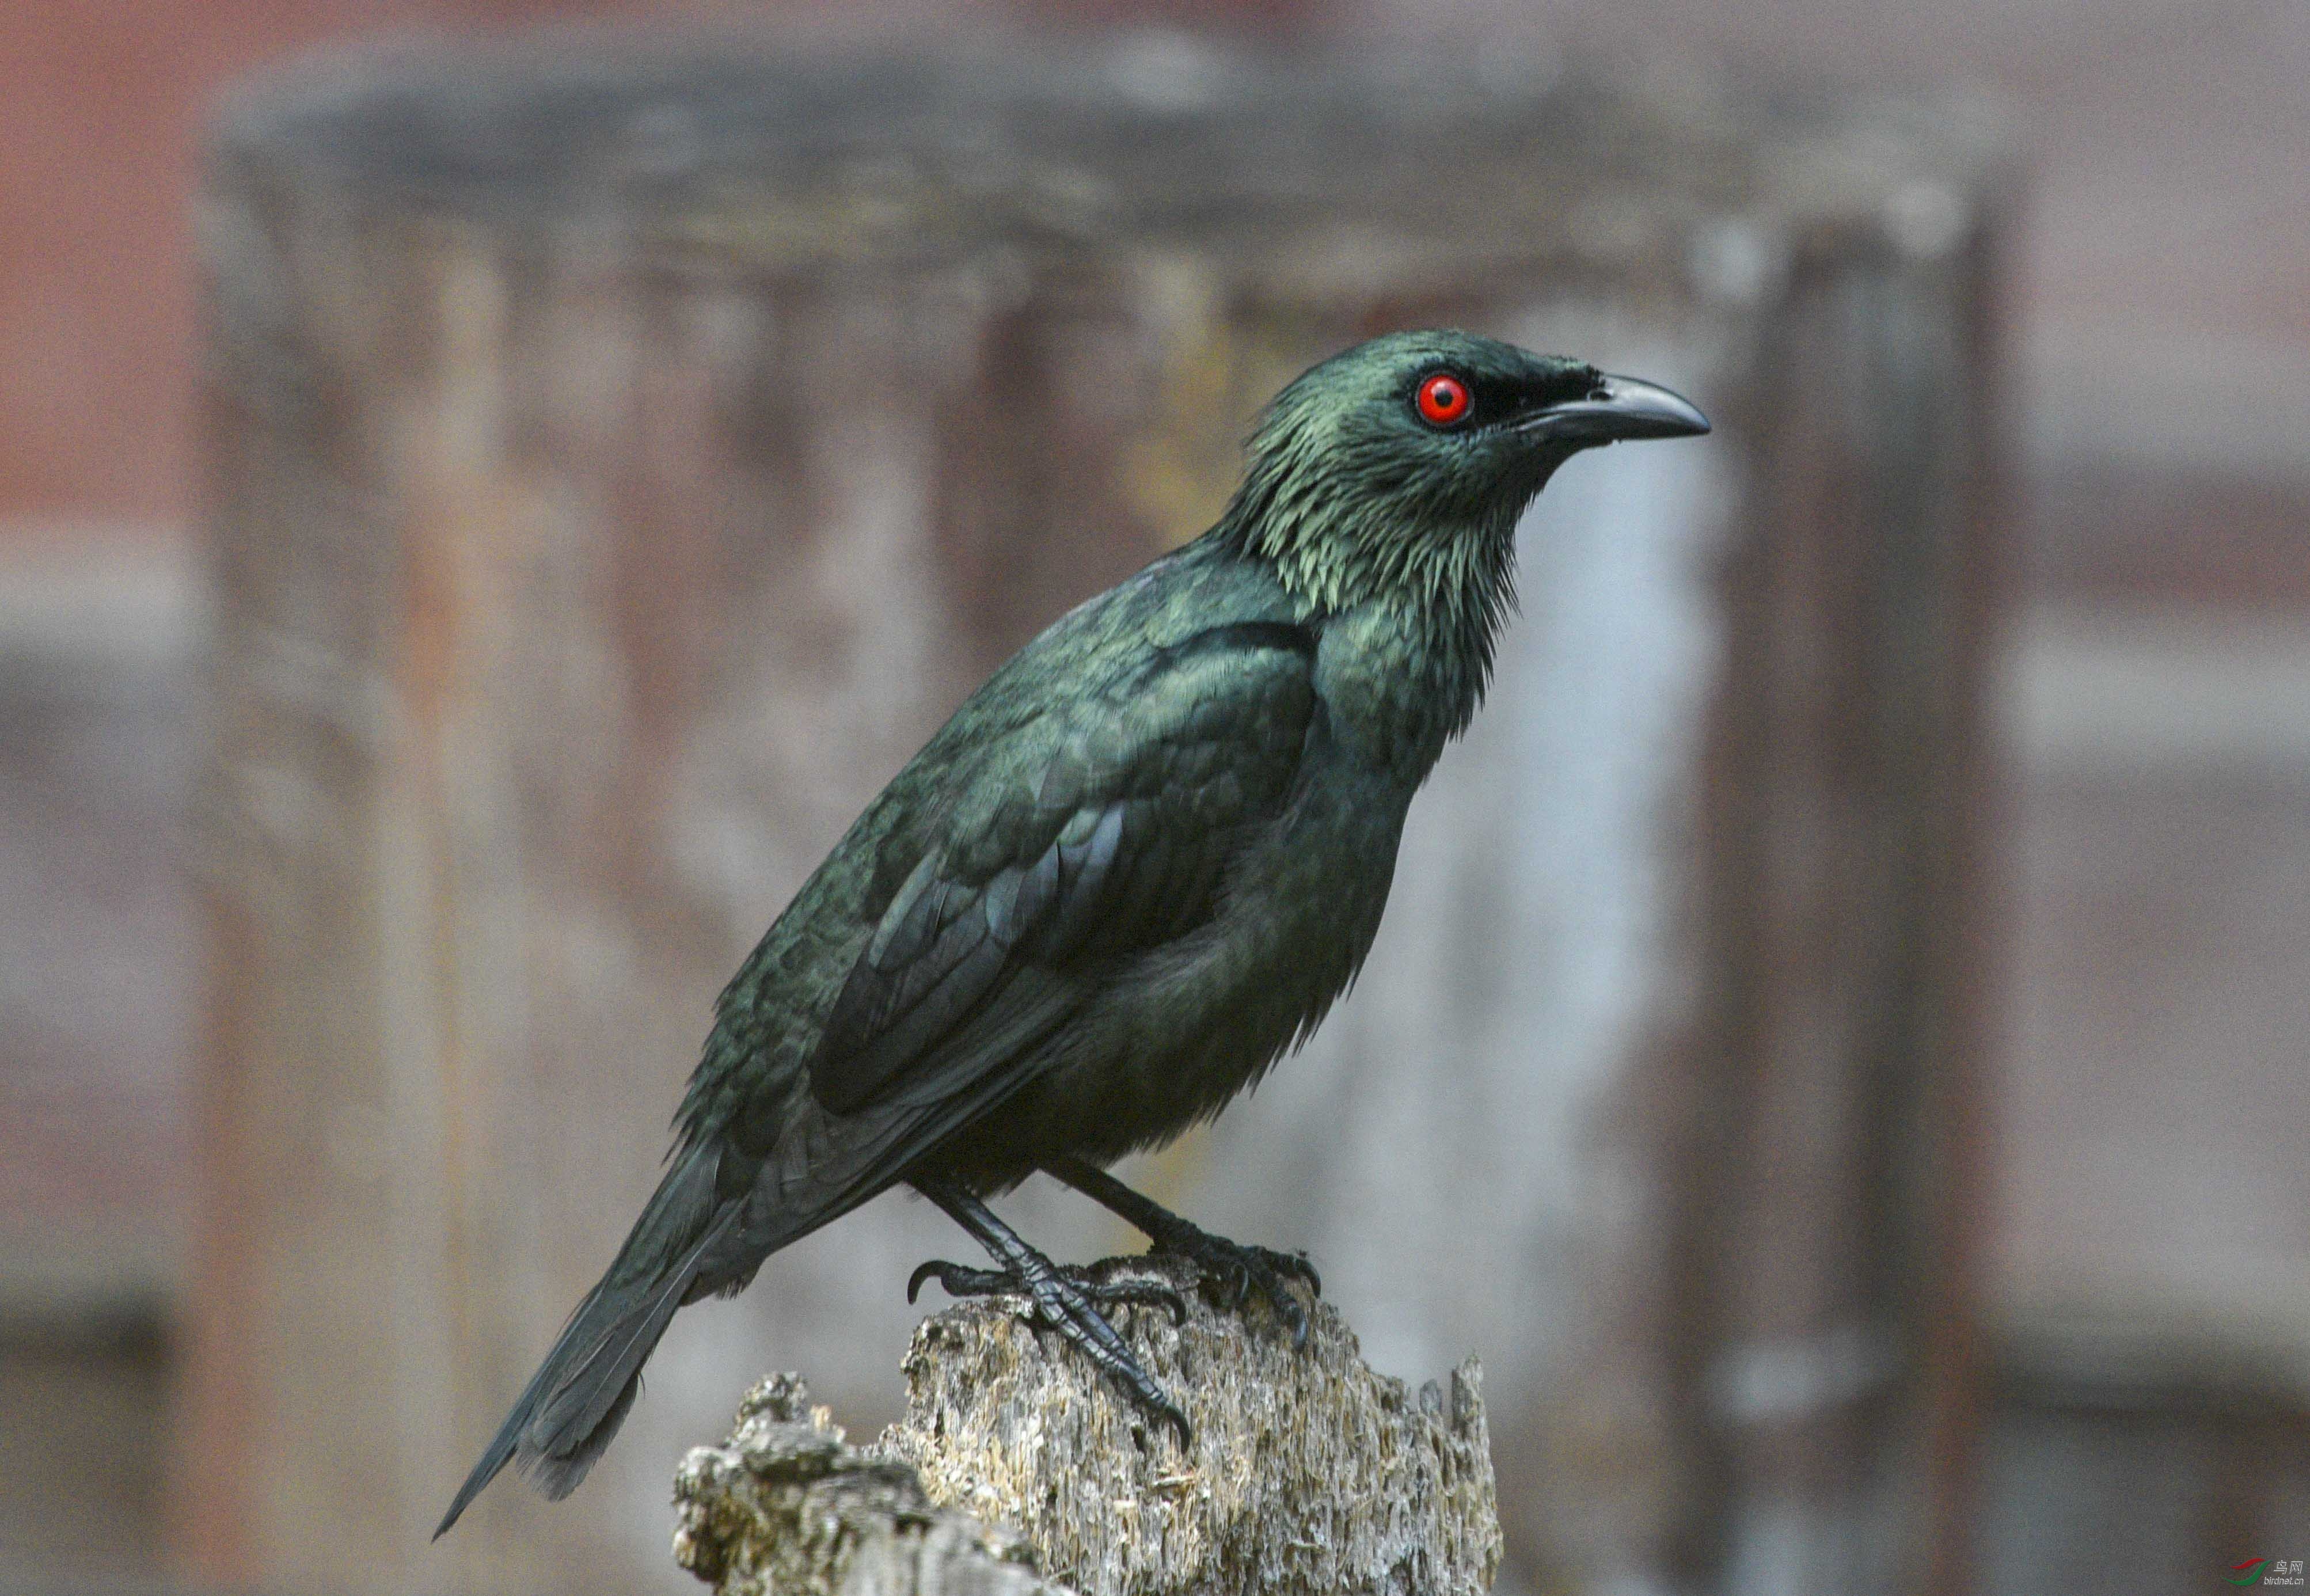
(1398, 468)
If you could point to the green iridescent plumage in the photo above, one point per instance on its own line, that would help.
(1134, 869)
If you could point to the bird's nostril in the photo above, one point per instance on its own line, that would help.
(1600, 393)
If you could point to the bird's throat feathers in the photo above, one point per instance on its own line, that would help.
(1441, 567)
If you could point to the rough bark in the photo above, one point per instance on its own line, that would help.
(1306, 1474)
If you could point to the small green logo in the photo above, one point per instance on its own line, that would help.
(2249, 1571)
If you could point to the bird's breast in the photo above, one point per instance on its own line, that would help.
(1176, 1032)
(1183, 1032)
(1394, 688)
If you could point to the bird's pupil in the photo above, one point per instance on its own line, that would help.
(1442, 399)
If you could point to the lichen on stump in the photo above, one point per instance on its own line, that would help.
(1308, 1472)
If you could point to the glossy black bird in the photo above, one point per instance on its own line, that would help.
(1133, 871)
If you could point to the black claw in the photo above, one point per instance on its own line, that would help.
(1236, 1272)
(1231, 1272)
(959, 1280)
(1295, 1319)
(1153, 1294)
(1168, 1414)
(1297, 1264)
(1069, 1302)
(1065, 1300)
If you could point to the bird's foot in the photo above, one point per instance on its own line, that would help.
(1238, 1270)
(1068, 1301)
(960, 1279)
(1234, 1270)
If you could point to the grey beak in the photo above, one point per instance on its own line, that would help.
(1622, 407)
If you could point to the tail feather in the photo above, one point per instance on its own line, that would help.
(692, 1240)
(576, 1418)
(572, 1407)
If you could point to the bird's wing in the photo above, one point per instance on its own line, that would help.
(1089, 835)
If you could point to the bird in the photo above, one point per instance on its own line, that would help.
(1133, 871)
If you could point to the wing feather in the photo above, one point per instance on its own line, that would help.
(1097, 833)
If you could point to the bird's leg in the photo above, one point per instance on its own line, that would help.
(1067, 1305)
(1238, 1268)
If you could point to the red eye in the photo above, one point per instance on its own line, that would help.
(1442, 399)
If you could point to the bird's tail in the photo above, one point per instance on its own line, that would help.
(573, 1405)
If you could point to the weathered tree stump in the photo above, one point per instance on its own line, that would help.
(625, 452)
(786, 1508)
(1308, 1474)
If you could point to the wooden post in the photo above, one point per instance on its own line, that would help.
(626, 454)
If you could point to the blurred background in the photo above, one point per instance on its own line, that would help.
(259, 1307)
